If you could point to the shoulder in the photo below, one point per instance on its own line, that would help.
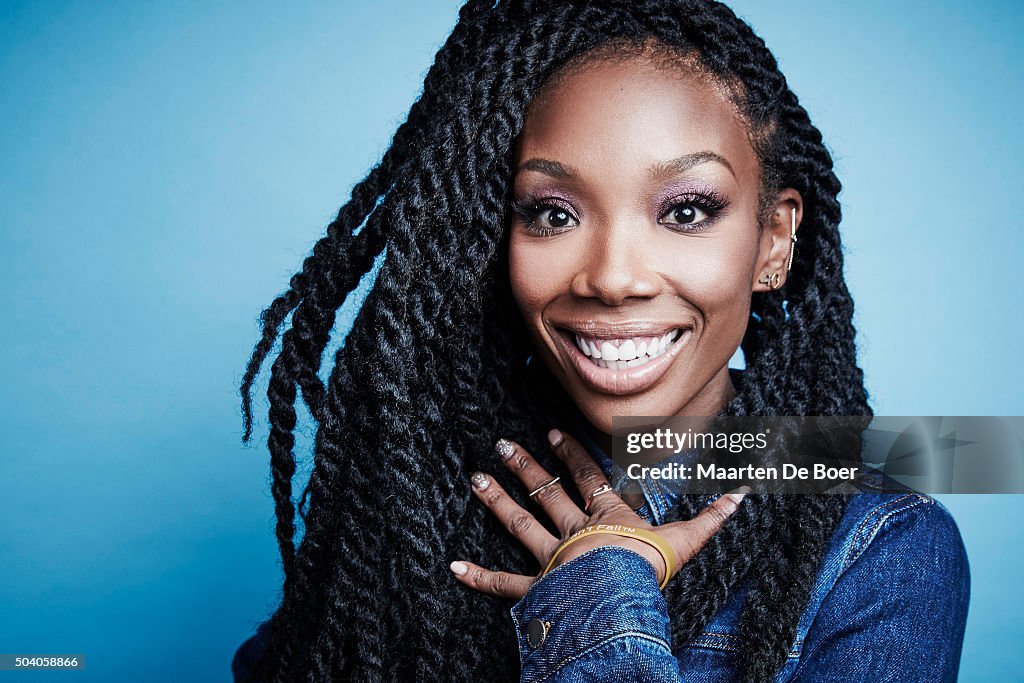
(894, 583)
(890, 548)
(898, 529)
(895, 568)
(893, 552)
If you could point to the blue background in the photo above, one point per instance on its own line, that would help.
(164, 168)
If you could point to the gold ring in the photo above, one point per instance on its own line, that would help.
(544, 486)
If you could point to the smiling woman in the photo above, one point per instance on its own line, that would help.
(589, 210)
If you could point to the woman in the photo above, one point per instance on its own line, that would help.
(584, 184)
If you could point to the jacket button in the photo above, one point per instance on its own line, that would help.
(536, 632)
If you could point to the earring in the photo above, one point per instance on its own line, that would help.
(792, 240)
(771, 280)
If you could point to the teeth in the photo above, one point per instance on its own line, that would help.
(584, 347)
(627, 350)
(609, 352)
(619, 354)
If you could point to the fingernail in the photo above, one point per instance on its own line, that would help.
(480, 481)
(505, 448)
(459, 568)
(738, 494)
(555, 437)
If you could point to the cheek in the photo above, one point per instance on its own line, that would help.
(711, 273)
(534, 275)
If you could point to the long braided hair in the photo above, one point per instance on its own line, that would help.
(432, 371)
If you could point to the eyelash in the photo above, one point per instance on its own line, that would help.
(530, 208)
(708, 201)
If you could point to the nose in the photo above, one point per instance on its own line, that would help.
(616, 266)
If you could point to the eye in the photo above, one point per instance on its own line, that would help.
(693, 212)
(544, 218)
(685, 213)
(554, 217)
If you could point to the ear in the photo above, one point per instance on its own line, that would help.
(776, 242)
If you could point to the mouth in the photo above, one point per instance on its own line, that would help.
(622, 365)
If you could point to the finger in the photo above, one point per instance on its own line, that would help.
(586, 473)
(690, 536)
(501, 584)
(518, 521)
(562, 510)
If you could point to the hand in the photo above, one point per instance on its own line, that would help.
(685, 538)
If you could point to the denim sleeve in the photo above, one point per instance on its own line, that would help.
(897, 613)
(607, 621)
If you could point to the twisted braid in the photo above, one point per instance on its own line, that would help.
(432, 371)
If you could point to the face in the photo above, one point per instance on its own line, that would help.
(634, 245)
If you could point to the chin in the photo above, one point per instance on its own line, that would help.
(600, 412)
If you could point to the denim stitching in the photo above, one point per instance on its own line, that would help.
(856, 541)
(700, 641)
(602, 643)
(862, 540)
(519, 631)
(659, 503)
(882, 521)
(730, 635)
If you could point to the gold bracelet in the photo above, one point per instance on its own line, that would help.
(648, 537)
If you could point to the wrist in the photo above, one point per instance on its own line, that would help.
(583, 545)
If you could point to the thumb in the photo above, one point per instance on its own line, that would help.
(699, 530)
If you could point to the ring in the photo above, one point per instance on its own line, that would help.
(603, 488)
(543, 486)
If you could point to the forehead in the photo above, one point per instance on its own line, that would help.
(634, 111)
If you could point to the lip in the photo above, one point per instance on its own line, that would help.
(629, 380)
(623, 330)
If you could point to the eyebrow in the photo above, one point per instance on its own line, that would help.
(675, 166)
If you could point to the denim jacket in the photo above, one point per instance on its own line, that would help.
(889, 604)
